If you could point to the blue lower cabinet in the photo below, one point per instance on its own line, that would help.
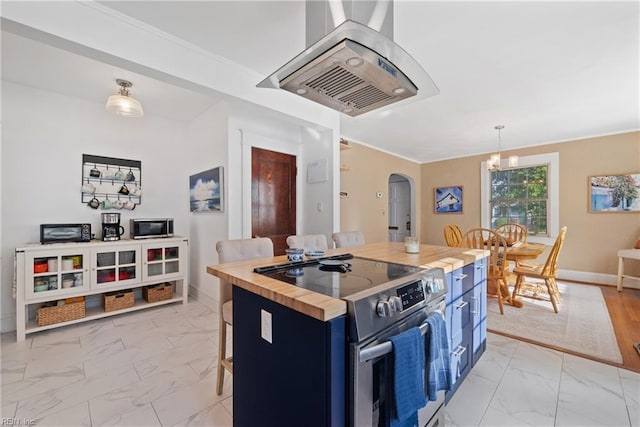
(479, 315)
(460, 281)
(466, 319)
(461, 330)
(479, 340)
(298, 378)
(459, 312)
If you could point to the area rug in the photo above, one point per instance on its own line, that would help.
(582, 325)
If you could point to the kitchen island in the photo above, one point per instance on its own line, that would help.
(290, 343)
(322, 307)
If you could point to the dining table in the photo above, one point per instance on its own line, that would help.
(525, 251)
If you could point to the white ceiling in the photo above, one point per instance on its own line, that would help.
(548, 71)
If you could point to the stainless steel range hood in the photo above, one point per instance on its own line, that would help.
(353, 69)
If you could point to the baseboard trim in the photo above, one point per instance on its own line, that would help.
(203, 298)
(8, 322)
(598, 278)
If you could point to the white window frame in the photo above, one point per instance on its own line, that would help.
(552, 160)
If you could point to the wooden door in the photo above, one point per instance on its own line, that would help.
(273, 196)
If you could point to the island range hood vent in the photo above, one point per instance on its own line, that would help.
(353, 69)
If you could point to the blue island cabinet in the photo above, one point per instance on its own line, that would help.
(298, 378)
(466, 315)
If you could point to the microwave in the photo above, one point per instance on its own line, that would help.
(64, 233)
(148, 228)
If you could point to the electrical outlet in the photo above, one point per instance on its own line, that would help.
(265, 326)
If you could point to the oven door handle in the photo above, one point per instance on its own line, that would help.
(386, 347)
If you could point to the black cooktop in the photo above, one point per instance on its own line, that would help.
(339, 276)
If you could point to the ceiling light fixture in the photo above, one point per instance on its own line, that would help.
(123, 104)
(494, 162)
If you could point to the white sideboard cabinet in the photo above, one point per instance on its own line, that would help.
(53, 272)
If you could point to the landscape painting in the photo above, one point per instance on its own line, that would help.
(614, 193)
(206, 191)
(448, 199)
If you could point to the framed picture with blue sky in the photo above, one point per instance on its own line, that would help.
(206, 191)
(448, 199)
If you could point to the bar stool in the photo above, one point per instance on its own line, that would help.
(345, 239)
(628, 254)
(232, 251)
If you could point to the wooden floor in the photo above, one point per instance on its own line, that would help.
(624, 310)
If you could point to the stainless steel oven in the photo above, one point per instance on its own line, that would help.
(371, 383)
(383, 299)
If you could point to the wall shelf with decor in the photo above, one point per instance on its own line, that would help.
(86, 272)
(110, 178)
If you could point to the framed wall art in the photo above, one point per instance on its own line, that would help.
(614, 193)
(448, 199)
(206, 191)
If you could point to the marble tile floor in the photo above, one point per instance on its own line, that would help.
(157, 367)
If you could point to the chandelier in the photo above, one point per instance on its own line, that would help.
(494, 163)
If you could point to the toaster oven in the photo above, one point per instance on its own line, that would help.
(63, 233)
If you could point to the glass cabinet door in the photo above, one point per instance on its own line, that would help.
(162, 260)
(116, 266)
(56, 272)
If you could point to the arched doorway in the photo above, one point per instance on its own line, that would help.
(401, 207)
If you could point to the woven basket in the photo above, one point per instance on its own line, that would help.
(118, 300)
(61, 313)
(157, 293)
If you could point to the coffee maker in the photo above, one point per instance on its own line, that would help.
(111, 228)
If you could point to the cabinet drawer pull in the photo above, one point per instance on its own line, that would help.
(459, 351)
(476, 307)
(460, 277)
(479, 266)
(461, 305)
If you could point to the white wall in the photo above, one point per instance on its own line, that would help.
(256, 127)
(207, 141)
(319, 199)
(44, 135)
(106, 35)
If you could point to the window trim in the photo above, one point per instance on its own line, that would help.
(552, 160)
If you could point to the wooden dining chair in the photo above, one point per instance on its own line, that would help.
(231, 251)
(547, 272)
(453, 235)
(513, 232)
(484, 238)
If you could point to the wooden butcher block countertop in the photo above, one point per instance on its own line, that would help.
(323, 307)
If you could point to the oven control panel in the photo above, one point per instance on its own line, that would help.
(394, 301)
(406, 297)
(411, 294)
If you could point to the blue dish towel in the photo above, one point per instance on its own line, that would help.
(438, 362)
(408, 367)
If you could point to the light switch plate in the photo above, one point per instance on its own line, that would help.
(265, 326)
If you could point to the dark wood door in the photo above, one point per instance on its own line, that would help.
(273, 196)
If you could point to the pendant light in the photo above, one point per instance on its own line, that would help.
(123, 104)
(494, 162)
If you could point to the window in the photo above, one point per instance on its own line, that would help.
(527, 195)
(520, 195)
